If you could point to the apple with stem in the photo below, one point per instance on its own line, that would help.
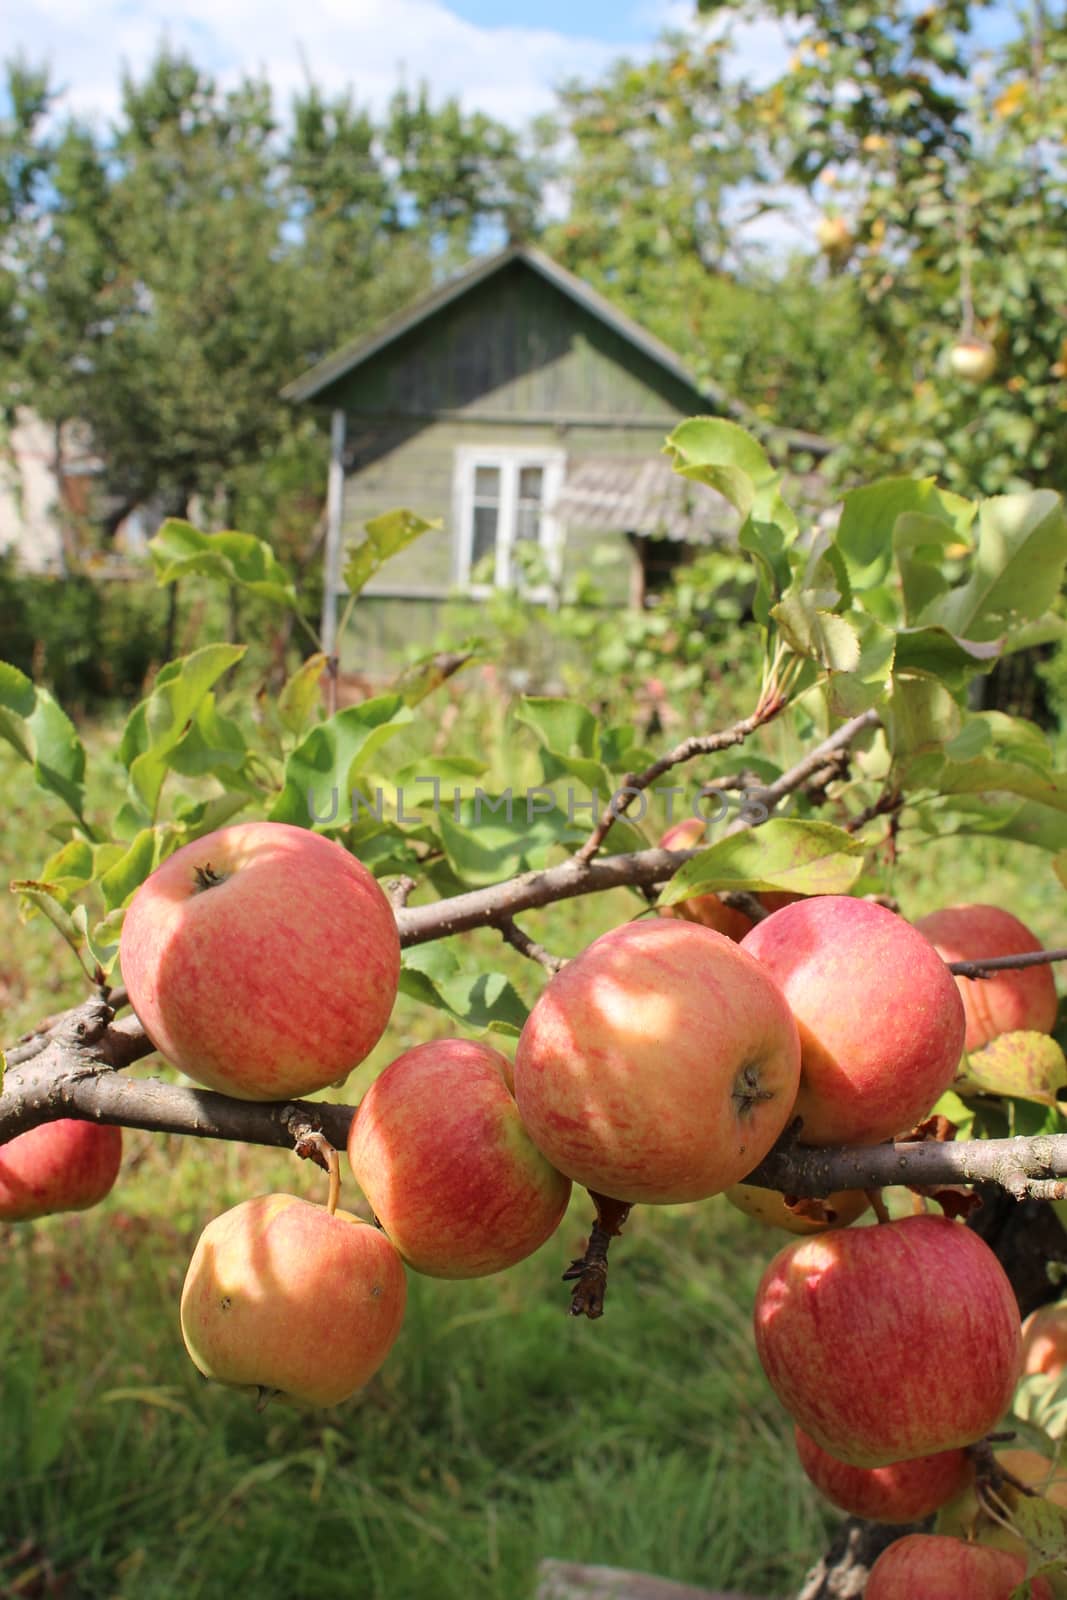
(903, 1491)
(880, 1018)
(263, 960)
(659, 1065)
(286, 1297)
(65, 1165)
(929, 1566)
(440, 1151)
(890, 1342)
(972, 359)
(1005, 1002)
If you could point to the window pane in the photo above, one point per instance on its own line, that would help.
(528, 522)
(487, 483)
(483, 542)
(531, 480)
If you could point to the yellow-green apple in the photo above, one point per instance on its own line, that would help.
(64, 1165)
(932, 1566)
(807, 1217)
(904, 1491)
(659, 1065)
(1044, 1338)
(439, 1149)
(880, 1019)
(706, 909)
(833, 235)
(263, 960)
(1005, 1002)
(890, 1342)
(973, 360)
(285, 1297)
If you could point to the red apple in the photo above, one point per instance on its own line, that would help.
(880, 1019)
(904, 1491)
(973, 360)
(890, 1342)
(659, 1065)
(816, 1216)
(440, 1151)
(929, 1566)
(1044, 1339)
(1007, 1002)
(58, 1166)
(284, 1297)
(263, 960)
(706, 909)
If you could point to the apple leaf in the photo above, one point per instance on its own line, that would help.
(564, 726)
(499, 835)
(385, 536)
(179, 549)
(1044, 1527)
(39, 896)
(43, 735)
(1016, 571)
(214, 746)
(320, 773)
(428, 672)
(723, 456)
(866, 532)
(482, 1001)
(1022, 1065)
(143, 856)
(300, 694)
(158, 725)
(821, 635)
(101, 941)
(806, 857)
(1041, 1399)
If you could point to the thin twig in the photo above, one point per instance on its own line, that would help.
(520, 941)
(991, 964)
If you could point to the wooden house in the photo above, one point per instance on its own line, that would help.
(528, 414)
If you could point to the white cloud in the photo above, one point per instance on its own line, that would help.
(508, 72)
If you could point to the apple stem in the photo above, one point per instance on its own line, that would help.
(589, 1272)
(311, 1145)
(878, 1205)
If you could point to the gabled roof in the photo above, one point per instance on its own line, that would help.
(353, 355)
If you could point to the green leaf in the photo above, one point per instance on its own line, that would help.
(213, 746)
(300, 694)
(480, 1000)
(101, 941)
(849, 693)
(563, 726)
(722, 455)
(806, 857)
(41, 897)
(179, 550)
(942, 655)
(158, 725)
(767, 546)
(44, 736)
(865, 534)
(822, 636)
(422, 676)
(500, 835)
(76, 864)
(920, 543)
(1017, 568)
(385, 536)
(320, 773)
(1023, 1065)
(922, 716)
(143, 856)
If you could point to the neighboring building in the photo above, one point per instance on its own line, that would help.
(520, 407)
(45, 478)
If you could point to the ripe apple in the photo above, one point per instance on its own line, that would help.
(284, 1297)
(880, 1019)
(890, 1342)
(64, 1165)
(439, 1150)
(904, 1491)
(973, 360)
(706, 909)
(263, 960)
(833, 235)
(1044, 1339)
(1006, 1002)
(930, 1566)
(660, 1065)
(769, 1207)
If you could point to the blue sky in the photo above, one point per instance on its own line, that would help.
(613, 21)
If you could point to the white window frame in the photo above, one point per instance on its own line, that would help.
(510, 459)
